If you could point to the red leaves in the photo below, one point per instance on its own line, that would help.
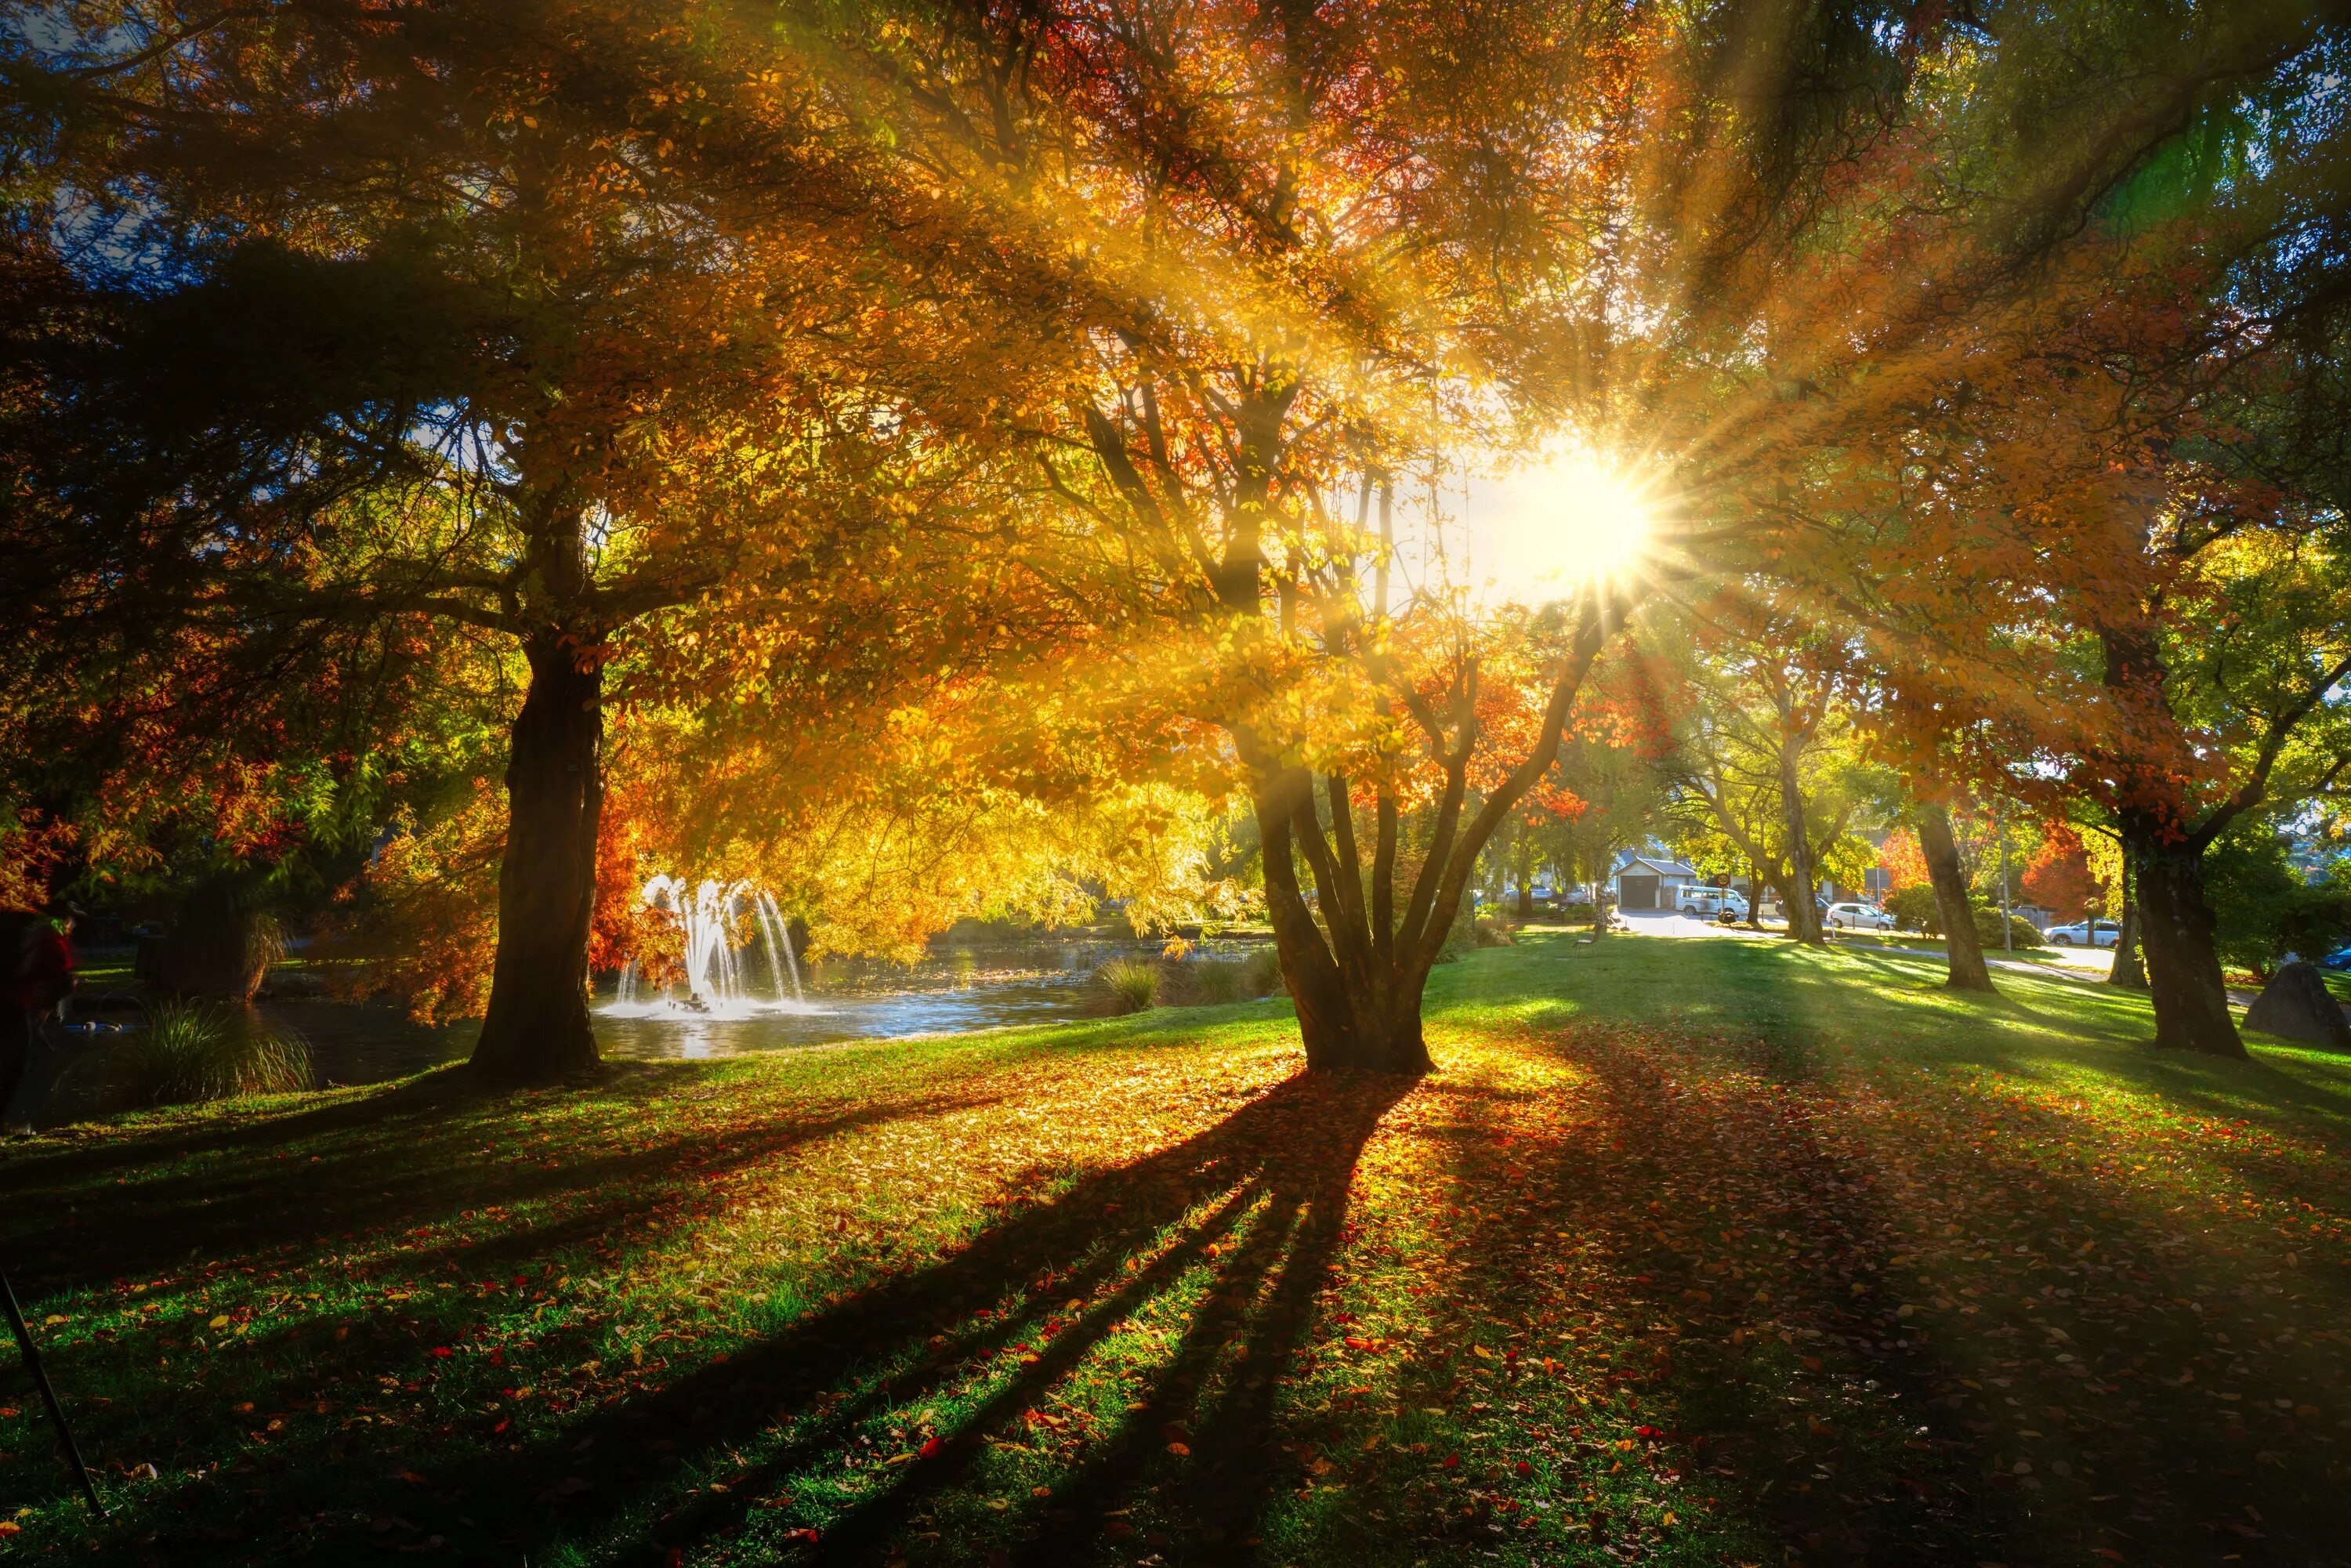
(929, 1449)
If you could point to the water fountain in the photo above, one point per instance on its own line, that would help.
(716, 982)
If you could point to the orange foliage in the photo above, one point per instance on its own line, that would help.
(2059, 877)
(1904, 861)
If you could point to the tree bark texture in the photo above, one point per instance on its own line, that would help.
(2163, 856)
(1362, 1015)
(2129, 970)
(2176, 931)
(1967, 970)
(536, 1028)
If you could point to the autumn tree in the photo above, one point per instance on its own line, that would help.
(556, 325)
(1768, 759)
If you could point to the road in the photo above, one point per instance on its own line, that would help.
(2063, 963)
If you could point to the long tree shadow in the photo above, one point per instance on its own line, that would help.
(1843, 1421)
(240, 1200)
(1264, 1192)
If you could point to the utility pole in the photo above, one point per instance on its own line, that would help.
(2000, 826)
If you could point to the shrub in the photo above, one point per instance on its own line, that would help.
(1914, 909)
(2263, 908)
(223, 943)
(1126, 985)
(1204, 982)
(194, 1051)
(1988, 929)
(1494, 931)
(1261, 972)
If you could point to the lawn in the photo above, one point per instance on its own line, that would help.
(1698, 1252)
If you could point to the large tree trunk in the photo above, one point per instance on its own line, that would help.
(1371, 1024)
(2175, 927)
(536, 1028)
(1357, 975)
(2129, 970)
(1524, 860)
(1967, 970)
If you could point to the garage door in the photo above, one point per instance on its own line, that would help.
(1636, 892)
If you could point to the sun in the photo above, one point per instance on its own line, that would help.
(1550, 528)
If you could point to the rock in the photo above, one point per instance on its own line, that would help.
(2296, 1005)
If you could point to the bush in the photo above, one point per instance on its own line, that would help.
(223, 943)
(190, 1053)
(1914, 909)
(1212, 982)
(1202, 983)
(2020, 928)
(1494, 931)
(2264, 909)
(1126, 985)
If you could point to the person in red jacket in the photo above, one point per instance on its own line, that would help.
(44, 979)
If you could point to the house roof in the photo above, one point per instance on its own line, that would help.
(1638, 863)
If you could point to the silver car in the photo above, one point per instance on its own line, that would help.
(1860, 917)
(2083, 934)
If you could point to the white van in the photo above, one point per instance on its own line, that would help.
(1711, 902)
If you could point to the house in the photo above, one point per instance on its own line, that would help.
(1642, 882)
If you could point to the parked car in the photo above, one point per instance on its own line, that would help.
(1709, 903)
(2339, 959)
(2093, 933)
(1859, 917)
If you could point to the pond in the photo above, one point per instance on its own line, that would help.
(956, 989)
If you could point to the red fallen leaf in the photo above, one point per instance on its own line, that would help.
(1355, 1342)
(1450, 1462)
(502, 1425)
(10, 1527)
(1525, 1468)
(1647, 1432)
(806, 1535)
(411, 1477)
(442, 1352)
(930, 1446)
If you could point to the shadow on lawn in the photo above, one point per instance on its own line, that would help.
(1628, 1195)
(1893, 1447)
(1274, 1176)
(240, 1200)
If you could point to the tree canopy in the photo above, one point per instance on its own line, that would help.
(943, 458)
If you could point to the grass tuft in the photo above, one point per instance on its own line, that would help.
(190, 1052)
(1126, 985)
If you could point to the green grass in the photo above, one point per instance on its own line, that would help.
(1691, 1252)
